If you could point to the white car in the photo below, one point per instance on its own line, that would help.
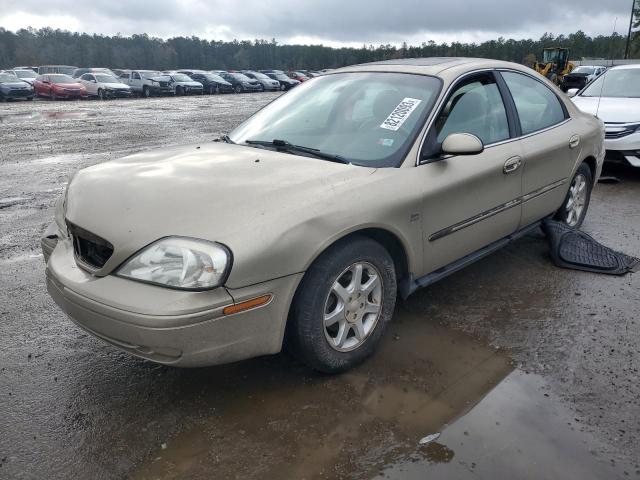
(104, 86)
(25, 75)
(614, 97)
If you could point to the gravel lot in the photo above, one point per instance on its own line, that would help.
(526, 370)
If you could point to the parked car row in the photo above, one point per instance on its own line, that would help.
(66, 82)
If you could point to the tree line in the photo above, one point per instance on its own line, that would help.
(52, 46)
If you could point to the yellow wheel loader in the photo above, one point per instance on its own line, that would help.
(555, 64)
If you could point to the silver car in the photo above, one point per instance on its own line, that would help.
(302, 226)
(104, 86)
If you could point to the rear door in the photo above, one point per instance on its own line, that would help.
(470, 201)
(550, 145)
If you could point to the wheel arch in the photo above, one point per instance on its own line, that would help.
(592, 164)
(391, 240)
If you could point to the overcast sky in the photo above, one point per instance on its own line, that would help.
(332, 22)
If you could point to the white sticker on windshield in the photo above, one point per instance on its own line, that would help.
(400, 114)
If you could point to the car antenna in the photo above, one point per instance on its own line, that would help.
(604, 75)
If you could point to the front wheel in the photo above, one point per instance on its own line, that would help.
(146, 92)
(238, 89)
(574, 208)
(101, 94)
(342, 305)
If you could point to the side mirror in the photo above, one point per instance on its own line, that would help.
(462, 144)
(572, 92)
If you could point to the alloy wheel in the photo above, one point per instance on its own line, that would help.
(576, 201)
(353, 307)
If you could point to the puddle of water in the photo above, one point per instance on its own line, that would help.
(517, 431)
(72, 115)
(285, 425)
(494, 422)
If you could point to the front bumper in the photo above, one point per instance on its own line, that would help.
(624, 149)
(18, 94)
(185, 329)
(118, 93)
(160, 90)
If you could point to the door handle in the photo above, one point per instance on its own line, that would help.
(512, 165)
(574, 141)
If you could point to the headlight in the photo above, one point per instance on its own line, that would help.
(179, 262)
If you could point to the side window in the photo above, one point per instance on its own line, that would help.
(135, 76)
(538, 107)
(475, 107)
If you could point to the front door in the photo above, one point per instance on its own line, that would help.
(473, 200)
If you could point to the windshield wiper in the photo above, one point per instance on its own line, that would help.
(283, 145)
(226, 139)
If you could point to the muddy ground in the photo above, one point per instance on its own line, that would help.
(525, 370)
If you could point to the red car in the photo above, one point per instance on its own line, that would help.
(57, 86)
(298, 76)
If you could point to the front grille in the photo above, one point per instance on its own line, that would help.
(614, 131)
(89, 248)
(21, 93)
(164, 84)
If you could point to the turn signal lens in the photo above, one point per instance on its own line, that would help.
(248, 305)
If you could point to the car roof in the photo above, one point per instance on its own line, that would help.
(444, 67)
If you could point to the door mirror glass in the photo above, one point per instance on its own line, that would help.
(462, 144)
(572, 92)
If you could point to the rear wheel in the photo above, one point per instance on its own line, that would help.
(342, 305)
(238, 89)
(574, 208)
(146, 92)
(101, 94)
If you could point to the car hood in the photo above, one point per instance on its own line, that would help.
(610, 110)
(189, 84)
(219, 192)
(16, 84)
(115, 85)
(68, 85)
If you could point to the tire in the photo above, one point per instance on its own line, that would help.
(52, 95)
(261, 87)
(101, 95)
(238, 89)
(576, 203)
(337, 347)
(146, 92)
(179, 91)
(283, 87)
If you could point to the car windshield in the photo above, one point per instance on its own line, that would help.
(5, 77)
(261, 76)
(214, 78)
(281, 76)
(618, 83)
(587, 70)
(369, 119)
(241, 77)
(106, 79)
(180, 77)
(25, 73)
(148, 75)
(62, 79)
